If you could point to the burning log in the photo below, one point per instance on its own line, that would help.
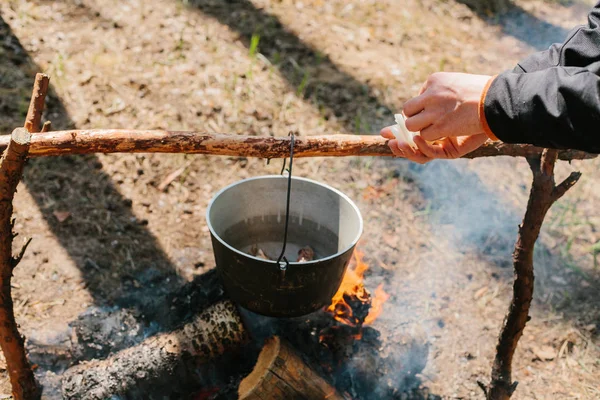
(280, 374)
(161, 360)
(59, 143)
(354, 307)
(352, 304)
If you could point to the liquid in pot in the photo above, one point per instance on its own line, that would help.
(266, 233)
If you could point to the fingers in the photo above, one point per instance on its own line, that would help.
(414, 105)
(387, 133)
(417, 104)
(432, 132)
(403, 149)
(420, 121)
(450, 148)
(431, 150)
(424, 87)
(393, 145)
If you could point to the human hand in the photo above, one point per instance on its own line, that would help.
(447, 148)
(447, 106)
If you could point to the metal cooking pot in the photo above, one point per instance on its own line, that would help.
(251, 213)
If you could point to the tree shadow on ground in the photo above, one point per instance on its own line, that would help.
(517, 22)
(529, 29)
(305, 68)
(119, 258)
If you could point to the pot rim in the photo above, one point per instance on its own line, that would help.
(274, 262)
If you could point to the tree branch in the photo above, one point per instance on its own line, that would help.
(155, 141)
(47, 127)
(24, 386)
(567, 184)
(548, 160)
(36, 104)
(543, 194)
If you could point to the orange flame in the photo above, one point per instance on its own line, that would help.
(381, 296)
(352, 285)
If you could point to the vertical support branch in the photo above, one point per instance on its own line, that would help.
(544, 192)
(24, 386)
(36, 105)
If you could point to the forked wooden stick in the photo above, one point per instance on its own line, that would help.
(544, 192)
(159, 141)
(24, 386)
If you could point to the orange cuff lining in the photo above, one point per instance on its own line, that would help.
(481, 111)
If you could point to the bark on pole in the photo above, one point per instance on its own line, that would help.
(165, 360)
(159, 141)
(280, 374)
(544, 192)
(36, 104)
(21, 375)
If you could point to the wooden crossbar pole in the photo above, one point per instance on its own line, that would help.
(161, 141)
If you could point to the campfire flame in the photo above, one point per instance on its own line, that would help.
(353, 304)
(381, 296)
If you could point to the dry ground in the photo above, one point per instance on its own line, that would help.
(440, 235)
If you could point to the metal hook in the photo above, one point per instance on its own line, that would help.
(282, 268)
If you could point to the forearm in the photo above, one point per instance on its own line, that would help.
(557, 107)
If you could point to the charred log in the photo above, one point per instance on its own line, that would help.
(359, 303)
(280, 374)
(100, 331)
(168, 359)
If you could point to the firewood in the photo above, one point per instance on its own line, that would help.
(280, 374)
(156, 141)
(165, 359)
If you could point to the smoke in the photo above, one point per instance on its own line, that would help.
(460, 201)
(463, 220)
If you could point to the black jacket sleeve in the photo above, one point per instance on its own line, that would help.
(552, 98)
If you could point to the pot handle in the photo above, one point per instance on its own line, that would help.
(282, 261)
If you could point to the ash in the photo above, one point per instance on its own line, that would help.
(361, 362)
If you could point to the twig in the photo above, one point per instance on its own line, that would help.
(36, 105)
(567, 184)
(157, 141)
(172, 176)
(483, 387)
(544, 192)
(24, 386)
(47, 127)
(17, 259)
